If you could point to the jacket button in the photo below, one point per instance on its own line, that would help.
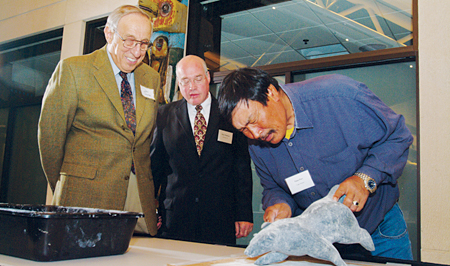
(127, 178)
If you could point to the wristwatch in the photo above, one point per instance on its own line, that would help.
(369, 183)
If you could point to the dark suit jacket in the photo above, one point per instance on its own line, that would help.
(201, 197)
(84, 140)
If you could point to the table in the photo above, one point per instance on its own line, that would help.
(161, 252)
(145, 251)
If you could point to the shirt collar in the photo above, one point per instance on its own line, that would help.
(116, 69)
(206, 105)
(302, 121)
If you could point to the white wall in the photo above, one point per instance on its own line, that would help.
(20, 18)
(434, 108)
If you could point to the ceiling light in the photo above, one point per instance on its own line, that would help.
(323, 51)
(208, 2)
(372, 47)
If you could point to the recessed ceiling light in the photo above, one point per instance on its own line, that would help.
(208, 2)
(372, 47)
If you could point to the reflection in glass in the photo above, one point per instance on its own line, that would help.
(26, 67)
(287, 31)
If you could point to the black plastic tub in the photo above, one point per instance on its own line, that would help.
(51, 233)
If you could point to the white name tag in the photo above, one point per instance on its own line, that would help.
(299, 182)
(225, 136)
(147, 93)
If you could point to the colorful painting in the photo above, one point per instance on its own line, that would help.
(168, 39)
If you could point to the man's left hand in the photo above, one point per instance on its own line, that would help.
(355, 191)
(243, 229)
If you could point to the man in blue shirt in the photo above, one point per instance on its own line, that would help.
(307, 137)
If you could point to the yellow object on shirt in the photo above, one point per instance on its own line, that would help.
(289, 132)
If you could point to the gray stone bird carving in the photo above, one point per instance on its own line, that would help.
(312, 233)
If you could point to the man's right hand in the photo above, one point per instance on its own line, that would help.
(277, 212)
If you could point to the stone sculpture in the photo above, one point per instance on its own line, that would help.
(312, 233)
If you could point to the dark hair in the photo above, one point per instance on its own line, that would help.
(244, 84)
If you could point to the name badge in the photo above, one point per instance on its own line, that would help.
(225, 136)
(299, 182)
(148, 93)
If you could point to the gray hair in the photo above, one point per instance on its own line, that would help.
(120, 12)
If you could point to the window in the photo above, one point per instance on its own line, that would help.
(26, 65)
(259, 33)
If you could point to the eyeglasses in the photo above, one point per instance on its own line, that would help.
(131, 43)
(197, 80)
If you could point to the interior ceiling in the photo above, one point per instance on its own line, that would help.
(306, 29)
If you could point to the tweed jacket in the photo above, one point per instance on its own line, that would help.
(84, 140)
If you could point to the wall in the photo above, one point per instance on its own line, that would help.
(43, 15)
(434, 84)
(434, 108)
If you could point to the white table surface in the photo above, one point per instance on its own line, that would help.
(145, 251)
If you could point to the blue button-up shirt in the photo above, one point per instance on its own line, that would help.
(341, 127)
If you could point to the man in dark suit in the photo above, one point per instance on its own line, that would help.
(91, 155)
(205, 186)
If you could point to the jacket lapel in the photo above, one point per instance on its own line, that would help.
(105, 77)
(140, 99)
(213, 123)
(183, 119)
